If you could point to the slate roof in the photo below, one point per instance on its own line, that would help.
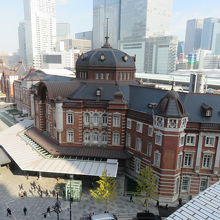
(88, 91)
(140, 97)
(204, 206)
(113, 58)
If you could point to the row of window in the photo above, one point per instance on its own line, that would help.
(187, 162)
(185, 186)
(139, 127)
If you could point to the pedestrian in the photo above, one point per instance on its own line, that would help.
(54, 193)
(48, 210)
(8, 212)
(27, 175)
(158, 203)
(22, 187)
(25, 210)
(45, 215)
(131, 198)
(41, 193)
(46, 192)
(166, 207)
(180, 201)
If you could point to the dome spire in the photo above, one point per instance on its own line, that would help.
(107, 44)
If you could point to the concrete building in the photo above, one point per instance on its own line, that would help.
(216, 39)
(22, 42)
(58, 60)
(63, 31)
(103, 9)
(193, 35)
(161, 53)
(207, 32)
(40, 29)
(87, 35)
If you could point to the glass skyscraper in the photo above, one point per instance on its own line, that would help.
(103, 9)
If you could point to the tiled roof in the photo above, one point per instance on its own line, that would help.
(204, 206)
(55, 149)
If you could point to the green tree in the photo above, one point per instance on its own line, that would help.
(106, 191)
(146, 186)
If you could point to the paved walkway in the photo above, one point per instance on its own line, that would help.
(9, 189)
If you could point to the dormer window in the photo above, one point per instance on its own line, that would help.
(206, 110)
(102, 57)
(98, 92)
(125, 58)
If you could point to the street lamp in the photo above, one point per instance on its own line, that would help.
(57, 207)
(71, 199)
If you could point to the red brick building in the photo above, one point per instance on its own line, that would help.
(104, 113)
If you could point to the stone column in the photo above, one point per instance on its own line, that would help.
(217, 157)
(198, 154)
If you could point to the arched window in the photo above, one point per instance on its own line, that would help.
(95, 137)
(104, 137)
(86, 118)
(86, 137)
(95, 119)
(104, 119)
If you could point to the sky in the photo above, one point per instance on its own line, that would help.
(79, 14)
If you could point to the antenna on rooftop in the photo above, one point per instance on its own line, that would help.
(107, 37)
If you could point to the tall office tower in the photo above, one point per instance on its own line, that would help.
(22, 42)
(63, 31)
(144, 18)
(216, 39)
(193, 35)
(40, 29)
(103, 9)
(180, 49)
(161, 54)
(207, 32)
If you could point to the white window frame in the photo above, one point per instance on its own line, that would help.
(158, 138)
(205, 163)
(190, 143)
(87, 118)
(139, 127)
(87, 137)
(172, 123)
(95, 119)
(69, 136)
(128, 140)
(95, 137)
(159, 121)
(138, 144)
(187, 188)
(179, 161)
(69, 118)
(129, 123)
(116, 120)
(210, 141)
(183, 122)
(182, 140)
(105, 119)
(150, 131)
(201, 187)
(186, 154)
(149, 149)
(105, 138)
(157, 158)
(137, 165)
(115, 138)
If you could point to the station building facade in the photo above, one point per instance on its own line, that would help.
(105, 113)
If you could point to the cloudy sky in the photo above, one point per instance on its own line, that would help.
(79, 14)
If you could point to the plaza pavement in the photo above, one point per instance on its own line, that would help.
(36, 206)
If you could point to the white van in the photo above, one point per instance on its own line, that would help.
(104, 216)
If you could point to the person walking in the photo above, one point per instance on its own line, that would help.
(25, 210)
(8, 212)
(48, 209)
(131, 198)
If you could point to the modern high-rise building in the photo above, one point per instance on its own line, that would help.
(144, 18)
(207, 32)
(40, 29)
(63, 31)
(161, 53)
(103, 9)
(193, 35)
(22, 42)
(216, 39)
